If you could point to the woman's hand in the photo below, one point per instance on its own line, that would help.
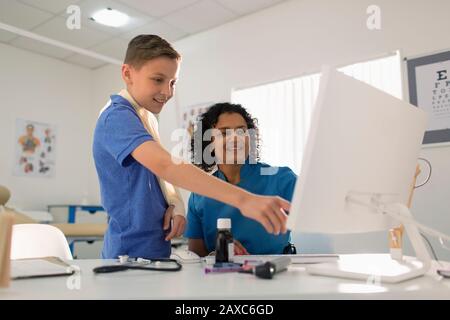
(177, 221)
(239, 249)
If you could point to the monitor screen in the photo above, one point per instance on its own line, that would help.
(362, 143)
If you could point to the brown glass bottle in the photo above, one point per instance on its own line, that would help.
(224, 241)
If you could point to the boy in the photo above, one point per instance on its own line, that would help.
(133, 168)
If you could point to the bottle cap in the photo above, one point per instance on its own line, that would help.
(224, 223)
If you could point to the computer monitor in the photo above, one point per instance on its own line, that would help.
(357, 170)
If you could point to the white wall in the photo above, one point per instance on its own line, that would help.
(297, 37)
(34, 87)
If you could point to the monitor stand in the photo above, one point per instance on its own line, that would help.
(381, 267)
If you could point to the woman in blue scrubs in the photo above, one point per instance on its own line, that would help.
(232, 155)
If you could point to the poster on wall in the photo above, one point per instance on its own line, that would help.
(189, 117)
(35, 149)
(429, 89)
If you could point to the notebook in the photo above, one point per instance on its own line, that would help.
(38, 268)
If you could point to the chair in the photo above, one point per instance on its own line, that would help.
(4, 195)
(37, 241)
(73, 231)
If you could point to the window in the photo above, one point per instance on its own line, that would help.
(284, 108)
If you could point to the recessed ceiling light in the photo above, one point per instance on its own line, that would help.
(110, 17)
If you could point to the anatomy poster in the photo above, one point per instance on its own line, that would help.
(35, 149)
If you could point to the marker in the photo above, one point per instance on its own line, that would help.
(270, 268)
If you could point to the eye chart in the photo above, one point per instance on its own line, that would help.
(429, 89)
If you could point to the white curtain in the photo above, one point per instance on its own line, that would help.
(384, 74)
(284, 108)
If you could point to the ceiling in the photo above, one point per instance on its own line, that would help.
(171, 19)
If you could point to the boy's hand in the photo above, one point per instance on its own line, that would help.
(267, 210)
(178, 223)
(239, 248)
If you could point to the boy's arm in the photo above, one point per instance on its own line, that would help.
(264, 209)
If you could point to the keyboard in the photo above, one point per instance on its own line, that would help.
(295, 258)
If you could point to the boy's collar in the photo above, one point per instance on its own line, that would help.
(124, 93)
(115, 98)
(125, 97)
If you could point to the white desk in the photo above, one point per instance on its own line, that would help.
(192, 283)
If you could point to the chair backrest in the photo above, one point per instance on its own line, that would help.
(4, 195)
(37, 241)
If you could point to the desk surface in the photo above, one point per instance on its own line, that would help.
(192, 283)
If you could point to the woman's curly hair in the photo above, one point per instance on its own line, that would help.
(207, 121)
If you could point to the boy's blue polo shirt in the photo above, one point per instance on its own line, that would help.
(130, 193)
(203, 212)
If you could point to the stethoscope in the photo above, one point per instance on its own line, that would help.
(127, 263)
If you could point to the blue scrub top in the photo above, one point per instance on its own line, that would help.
(203, 212)
(130, 193)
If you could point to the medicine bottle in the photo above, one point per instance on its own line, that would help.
(224, 241)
